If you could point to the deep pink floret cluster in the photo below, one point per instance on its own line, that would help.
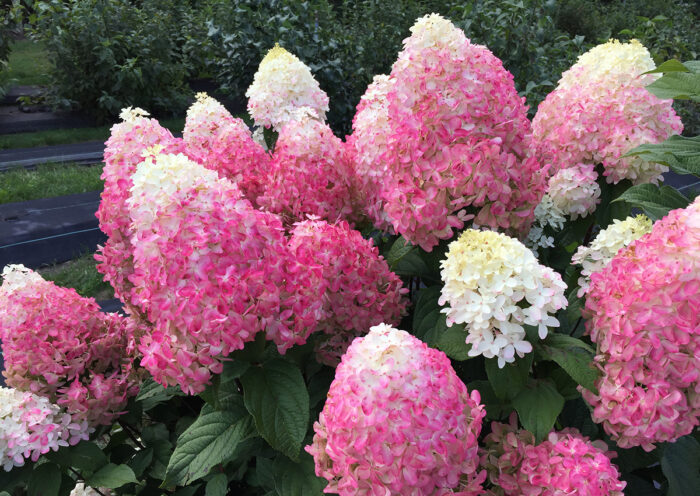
(458, 140)
(398, 422)
(643, 312)
(565, 463)
(211, 272)
(362, 291)
(59, 345)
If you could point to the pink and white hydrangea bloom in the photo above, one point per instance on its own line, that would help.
(398, 422)
(59, 345)
(643, 313)
(495, 286)
(30, 426)
(601, 110)
(282, 84)
(574, 190)
(458, 140)
(211, 272)
(223, 143)
(362, 291)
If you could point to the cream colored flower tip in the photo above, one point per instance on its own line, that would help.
(384, 348)
(132, 114)
(434, 31)
(17, 276)
(204, 105)
(611, 60)
(81, 489)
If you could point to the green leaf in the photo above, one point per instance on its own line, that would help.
(679, 153)
(224, 386)
(210, 440)
(496, 408)
(426, 313)
(85, 456)
(538, 406)
(112, 476)
(508, 381)
(217, 486)
(574, 356)
(276, 397)
(656, 202)
(141, 460)
(399, 249)
(297, 478)
(452, 340)
(412, 265)
(677, 85)
(152, 394)
(45, 480)
(681, 466)
(672, 65)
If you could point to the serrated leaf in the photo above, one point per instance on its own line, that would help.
(85, 456)
(508, 381)
(224, 387)
(152, 394)
(672, 65)
(297, 478)
(680, 154)
(452, 340)
(141, 460)
(210, 440)
(574, 356)
(412, 265)
(276, 397)
(677, 85)
(681, 466)
(217, 486)
(426, 312)
(538, 406)
(112, 476)
(656, 201)
(399, 249)
(45, 480)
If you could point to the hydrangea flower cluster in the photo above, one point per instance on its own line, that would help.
(362, 290)
(601, 110)
(59, 345)
(398, 421)
(30, 426)
(575, 191)
(125, 148)
(643, 312)
(565, 463)
(283, 84)
(458, 139)
(211, 272)
(367, 143)
(223, 143)
(81, 489)
(606, 245)
(494, 285)
(310, 173)
(547, 215)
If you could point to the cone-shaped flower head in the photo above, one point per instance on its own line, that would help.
(310, 174)
(575, 191)
(30, 426)
(223, 143)
(283, 84)
(601, 110)
(398, 422)
(606, 245)
(494, 285)
(211, 272)
(59, 345)
(458, 139)
(362, 291)
(643, 312)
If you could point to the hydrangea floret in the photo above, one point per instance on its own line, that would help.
(59, 345)
(548, 217)
(601, 110)
(30, 426)
(495, 286)
(458, 143)
(575, 191)
(282, 84)
(605, 246)
(362, 291)
(81, 489)
(643, 314)
(398, 421)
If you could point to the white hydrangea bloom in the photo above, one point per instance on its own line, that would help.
(81, 489)
(605, 246)
(133, 114)
(495, 286)
(547, 214)
(282, 84)
(30, 426)
(574, 191)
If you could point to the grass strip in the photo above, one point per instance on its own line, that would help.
(48, 181)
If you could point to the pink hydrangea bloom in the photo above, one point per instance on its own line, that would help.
(223, 143)
(361, 292)
(565, 463)
(601, 110)
(30, 426)
(310, 174)
(398, 421)
(59, 345)
(125, 148)
(574, 191)
(643, 312)
(458, 140)
(211, 272)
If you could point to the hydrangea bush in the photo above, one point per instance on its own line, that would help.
(551, 333)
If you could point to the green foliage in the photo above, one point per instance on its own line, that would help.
(655, 201)
(47, 181)
(538, 406)
(680, 154)
(681, 466)
(10, 19)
